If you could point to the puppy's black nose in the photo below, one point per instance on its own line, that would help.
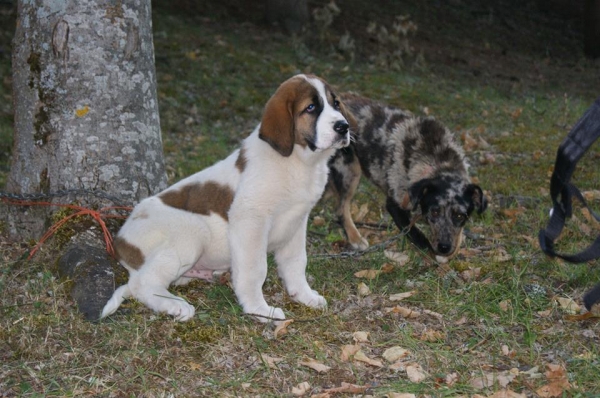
(341, 127)
(444, 248)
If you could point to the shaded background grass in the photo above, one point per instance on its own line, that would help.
(511, 73)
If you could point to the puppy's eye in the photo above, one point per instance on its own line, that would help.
(434, 213)
(460, 217)
(311, 108)
(336, 104)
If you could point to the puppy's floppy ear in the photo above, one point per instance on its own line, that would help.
(475, 195)
(277, 126)
(418, 190)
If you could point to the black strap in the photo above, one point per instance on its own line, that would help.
(583, 134)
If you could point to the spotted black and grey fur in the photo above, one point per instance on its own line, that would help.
(417, 163)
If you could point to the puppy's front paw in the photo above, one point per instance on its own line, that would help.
(310, 298)
(181, 311)
(361, 244)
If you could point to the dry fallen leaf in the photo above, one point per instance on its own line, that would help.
(400, 395)
(401, 296)
(367, 273)
(393, 354)
(348, 389)
(487, 380)
(415, 373)
(396, 257)
(403, 311)
(362, 357)
(505, 305)
(318, 221)
(314, 365)
(270, 361)
(361, 337)
(432, 336)
(363, 289)
(361, 213)
(348, 352)
(301, 389)
(506, 394)
(451, 379)
(568, 305)
(470, 274)
(281, 328)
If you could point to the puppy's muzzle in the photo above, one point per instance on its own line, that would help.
(444, 248)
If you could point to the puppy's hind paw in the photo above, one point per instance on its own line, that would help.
(182, 311)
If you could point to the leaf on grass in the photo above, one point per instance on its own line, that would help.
(314, 365)
(301, 389)
(505, 305)
(501, 256)
(470, 274)
(393, 354)
(363, 289)
(533, 373)
(401, 296)
(400, 395)
(433, 314)
(403, 311)
(451, 379)
(348, 389)
(368, 273)
(415, 373)
(396, 257)
(506, 394)
(318, 221)
(568, 305)
(488, 380)
(362, 357)
(361, 213)
(559, 383)
(270, 361)
(432, 336)
(361, 337)
(348, 352)
(281, 328)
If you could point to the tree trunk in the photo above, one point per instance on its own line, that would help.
(592, 28)
(86, 112)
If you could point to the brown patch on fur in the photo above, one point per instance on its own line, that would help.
(128, 253)
(240, 162)
(202, 198)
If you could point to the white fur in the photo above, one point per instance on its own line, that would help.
(272, 200)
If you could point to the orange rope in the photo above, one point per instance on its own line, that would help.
(98, 215)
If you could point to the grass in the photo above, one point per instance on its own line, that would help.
(492, 309)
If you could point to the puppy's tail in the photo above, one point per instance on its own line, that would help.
(116, 300)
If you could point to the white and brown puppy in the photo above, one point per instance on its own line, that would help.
(230, 215)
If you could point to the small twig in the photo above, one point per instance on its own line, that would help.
(282, 320)
(358, 253)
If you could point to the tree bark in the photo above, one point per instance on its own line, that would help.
(85, 102)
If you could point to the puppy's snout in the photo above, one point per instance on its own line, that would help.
(444, 248)
(341, 127)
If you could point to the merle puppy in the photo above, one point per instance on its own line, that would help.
(417, 163)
